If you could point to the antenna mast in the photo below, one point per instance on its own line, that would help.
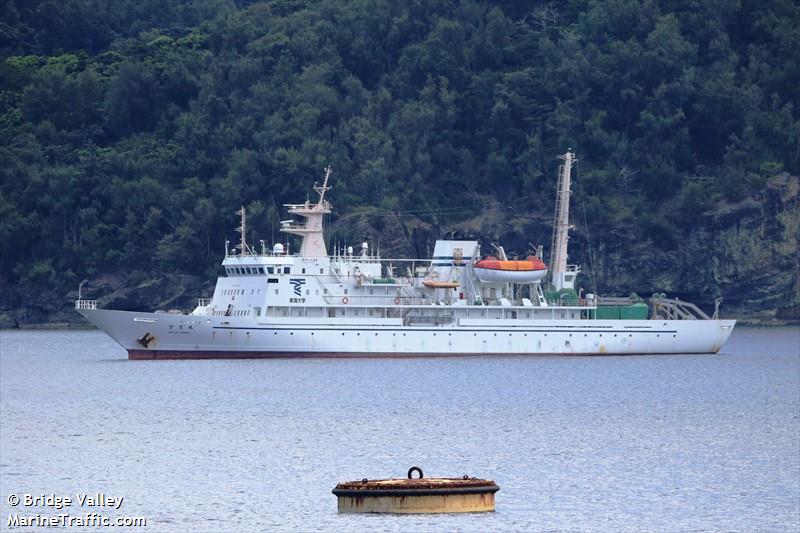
(242, 229)
(322, 190)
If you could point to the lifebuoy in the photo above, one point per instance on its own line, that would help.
(345, 300)
(397, 301)
(416, 469)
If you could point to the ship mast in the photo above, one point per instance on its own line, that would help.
(563, 275)
(322, 190)
(311, 231)
(242, 229)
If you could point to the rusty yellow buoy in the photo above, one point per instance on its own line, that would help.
(417, 495)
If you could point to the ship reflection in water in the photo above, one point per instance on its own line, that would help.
(635, 443)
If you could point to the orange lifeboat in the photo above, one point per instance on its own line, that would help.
(493, 270)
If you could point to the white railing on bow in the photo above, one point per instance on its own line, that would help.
(85, 304)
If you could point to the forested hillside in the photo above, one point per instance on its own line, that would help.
(131, 131)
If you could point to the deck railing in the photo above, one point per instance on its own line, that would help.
(85, 304)
(666, 309)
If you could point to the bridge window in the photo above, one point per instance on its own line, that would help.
(270, 270)
(260, 270)
(272, 280)
(287, 270)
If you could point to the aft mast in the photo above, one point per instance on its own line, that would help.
(312, 233)
(563, 275)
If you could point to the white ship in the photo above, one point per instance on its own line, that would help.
(354, 303)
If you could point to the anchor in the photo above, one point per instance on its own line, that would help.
(145, 339)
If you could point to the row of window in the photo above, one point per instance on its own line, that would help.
(250, 271)
(450, 334)
(256, 270)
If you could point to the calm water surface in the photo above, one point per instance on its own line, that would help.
(650, 443)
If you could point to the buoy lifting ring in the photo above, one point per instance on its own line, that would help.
(345, 300)
(414, 469)
(397, 301)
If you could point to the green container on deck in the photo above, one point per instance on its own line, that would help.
(608, 312)
(634, 312)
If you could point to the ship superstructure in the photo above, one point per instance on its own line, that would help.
(354, 303)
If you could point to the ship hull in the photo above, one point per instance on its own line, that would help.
(165, 336)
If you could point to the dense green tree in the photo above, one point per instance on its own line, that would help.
(131, 131)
